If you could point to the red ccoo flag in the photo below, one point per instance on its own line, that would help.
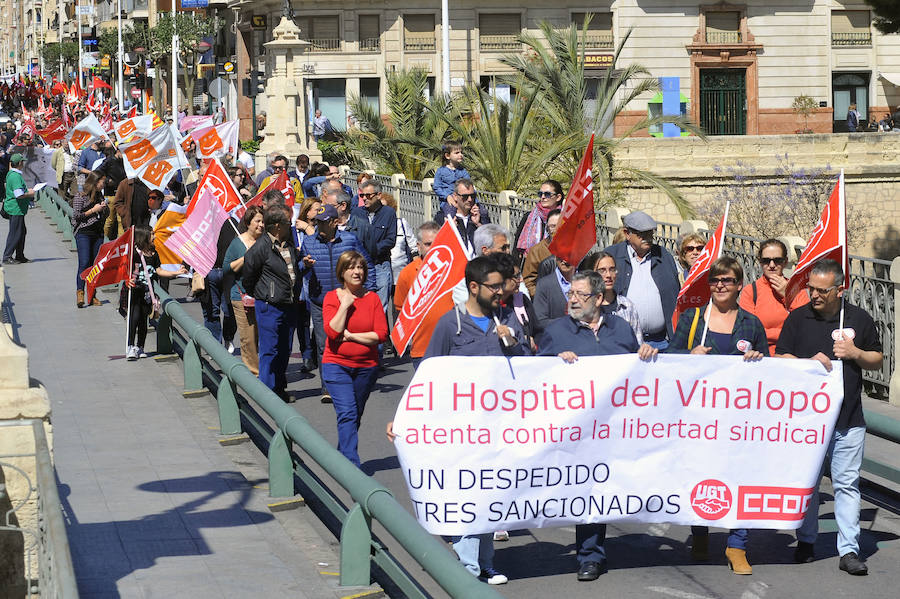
(695, 291)
(828, 240)
(576, 233)
(113, 263)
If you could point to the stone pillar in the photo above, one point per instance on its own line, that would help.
(427, 190)
(284, 89)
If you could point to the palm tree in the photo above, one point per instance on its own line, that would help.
(552, 67)
(505, 142)
(408, 139)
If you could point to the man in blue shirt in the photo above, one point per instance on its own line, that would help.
(588, 331)
(379, 237)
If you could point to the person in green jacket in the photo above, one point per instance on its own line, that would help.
(16, 202)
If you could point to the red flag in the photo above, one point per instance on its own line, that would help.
(113, 263)
(27, 130)
(281, 183)
(55, 130)
(100, 83)
(828, 240)
(442, 268)
(695, 291)
(217, 181)
(132, 113)
(576, 233)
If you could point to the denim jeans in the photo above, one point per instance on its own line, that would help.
(318, 329)
(88, 245)
(276, 330)
(349, 389)
(305, 337)
(476, 552)
(846, 453)
(737, 537)
(589, 540)
(383, 281)
(216, 306)
(660, 345)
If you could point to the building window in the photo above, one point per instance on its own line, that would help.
(850, 28)
(323, 32)
(369, 33)
(599, 33)
(723, 27)
(418, 33)
(368, 91)
(499, 32)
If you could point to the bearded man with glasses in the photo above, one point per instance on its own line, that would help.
(819, 331)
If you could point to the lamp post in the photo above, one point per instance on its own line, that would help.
(198, 50)
(174, 62)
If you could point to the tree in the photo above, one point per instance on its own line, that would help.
(553, 68)
(887, 15)
(408, 139)
(804, 106)
(191, 30)
(51, 53)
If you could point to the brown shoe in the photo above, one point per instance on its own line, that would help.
(737, 561)
(96, 302)
(79, 298)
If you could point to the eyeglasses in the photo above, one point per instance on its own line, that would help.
(495, 287)
(582, 296)
(777, 261)
(467, 196)
(724, 281)
(545, 194)
(810, 290)
(693, 248)
(606, 271)
(367, 195)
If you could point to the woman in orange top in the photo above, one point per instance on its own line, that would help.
(765, 297)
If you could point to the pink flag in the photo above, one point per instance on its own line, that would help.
(192, 121)
(196, 239)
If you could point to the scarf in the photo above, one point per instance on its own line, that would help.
(535, 228)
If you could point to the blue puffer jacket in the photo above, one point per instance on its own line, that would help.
(323, 277)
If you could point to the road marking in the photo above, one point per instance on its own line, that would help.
(677, 593)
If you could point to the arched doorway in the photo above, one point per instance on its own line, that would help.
(847, 89)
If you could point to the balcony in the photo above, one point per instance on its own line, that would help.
(843, 40)
(370, 44)
(425, 43)
(598, 40)
(723, 37)
(493, 43)
(324, 45)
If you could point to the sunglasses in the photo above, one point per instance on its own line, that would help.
(545, 194)
(821, 292)
(725, 281)
(777, 261)
(278, 168)
(467, 196)
(367, 195)
(693, 248)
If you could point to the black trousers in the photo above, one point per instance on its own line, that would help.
(15, 239)
(137, 323)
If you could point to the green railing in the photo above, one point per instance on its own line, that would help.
(224, 374)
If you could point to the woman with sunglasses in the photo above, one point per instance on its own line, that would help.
(764, 298)
(533, 226)
(732, 332)
(689, 249)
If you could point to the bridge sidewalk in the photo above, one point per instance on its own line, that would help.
(154, 505)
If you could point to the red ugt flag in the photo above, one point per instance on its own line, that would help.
(113, 263)
(828, 240)
(442, 268)
(695, 291)
(577, 230)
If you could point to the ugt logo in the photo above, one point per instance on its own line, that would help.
(711, 499)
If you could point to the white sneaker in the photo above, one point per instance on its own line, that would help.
(230, 348)
(501, 535)
(142, 353)
(491, 576)
(131, 354)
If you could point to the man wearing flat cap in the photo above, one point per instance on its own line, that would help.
(16, 202)
(647, 275)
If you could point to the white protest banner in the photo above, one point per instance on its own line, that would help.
(87, 131)
(494, 444)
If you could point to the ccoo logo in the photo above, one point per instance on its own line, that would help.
(711, 499)
(429, 281)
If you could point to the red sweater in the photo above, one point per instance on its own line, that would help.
(364, 316)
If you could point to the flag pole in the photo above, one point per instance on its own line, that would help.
(130, 289)
(721, 249)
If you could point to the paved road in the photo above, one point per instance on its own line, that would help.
(644, 561)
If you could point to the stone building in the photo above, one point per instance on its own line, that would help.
(738, 66)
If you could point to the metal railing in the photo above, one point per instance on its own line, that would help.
(723, 37)
(851, 39)
(370, 44)
(597, 41)
(44, 539)
(419, 43)
(504, 41)
(324, 45)
(224, 374)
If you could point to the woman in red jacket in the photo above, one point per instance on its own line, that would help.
(354, 326)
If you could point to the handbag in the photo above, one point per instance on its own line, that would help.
(3, 211)
(198, 283)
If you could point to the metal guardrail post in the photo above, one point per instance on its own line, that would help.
(193, 372)
(894, 393)
(229, 416)
(356, 540)
(164, 334)
(281, 467)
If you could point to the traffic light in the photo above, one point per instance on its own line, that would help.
(253, 85)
